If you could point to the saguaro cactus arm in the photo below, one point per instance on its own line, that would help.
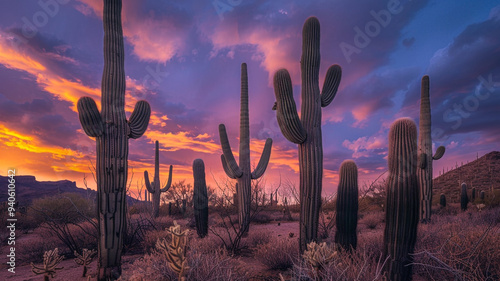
(139, 119)
(228, 154)
(169, 182)
(439, 153)
(264, 160)
(286, 110)
(228, 171)
(90, 118)
(149, 185)
(331, 84)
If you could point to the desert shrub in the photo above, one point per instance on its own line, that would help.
(339, 266)
(279, 253)
(150, 239)
(261, 218)
(32, 249)
(372, 220)
(371, 243)
(256, 238)
(206, 245)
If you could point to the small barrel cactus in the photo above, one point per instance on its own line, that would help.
(442, 200)
(481, 195)
(200, 198)
(347, 206)
(464, 199)
(402, 202)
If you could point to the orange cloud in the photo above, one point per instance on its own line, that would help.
(183, 141)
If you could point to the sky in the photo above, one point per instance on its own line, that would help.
(184, 58)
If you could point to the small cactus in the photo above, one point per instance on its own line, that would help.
(473, 194)
(318, 255)
(442, 200)
(481, 195)
(85, 259)
(347, 206)
(464, 199)
(51, 259)
(200, 198)
(402, 201)
(153, 187)
(176, 250)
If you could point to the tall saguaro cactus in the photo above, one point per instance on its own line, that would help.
(347, 206)
(425, 158)
(154, 188)
(464, 199)
(402, 192)
(200, 198)
(242, 171)
(306, 131)
(112, 131)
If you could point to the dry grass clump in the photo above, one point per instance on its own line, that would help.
(256, 238)
(372, 220)
(278, 254)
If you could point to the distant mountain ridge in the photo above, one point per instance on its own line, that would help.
(482, 174)
(28, 188)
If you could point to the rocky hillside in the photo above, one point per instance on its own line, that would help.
(482, 174)
(28, 188)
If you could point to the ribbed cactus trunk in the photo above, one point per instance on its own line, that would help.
(306, 131)
(242, 171)
(112, 131)
(154, 188)
(347, 206)
(464, 199)
(402, 202)
(442, 200)
(424, 170)
(200, 198)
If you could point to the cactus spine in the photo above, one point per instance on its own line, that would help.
(200, 198)
(154, 188)
(242, 171)
(306, 131)
(347, 206)
(402, 200)
(442, 200)
(424, 170)
(112, 131)
(464, 199)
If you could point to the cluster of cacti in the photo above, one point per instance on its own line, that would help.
(464, 199)
(154, 187)
(176, 250)
(51, 259)
(425, 158)
(85, 259)
(402, 200)
(306, 130)
(200, 198)
(318, 255)
(442, 200)
(347, 206)
(112, 131)
(242, 171)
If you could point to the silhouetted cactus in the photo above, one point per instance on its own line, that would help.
(306, 131)
(442, 200)
(481, 195)
(51, 259)
(347, 206)
(153, 187)
(464, 199)
(84, 259)
(425, 158)
(402, 201)
(200, 198)
(242, 171)
(473, 194)
(112, 131)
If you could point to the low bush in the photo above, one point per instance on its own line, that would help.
(279, 253)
